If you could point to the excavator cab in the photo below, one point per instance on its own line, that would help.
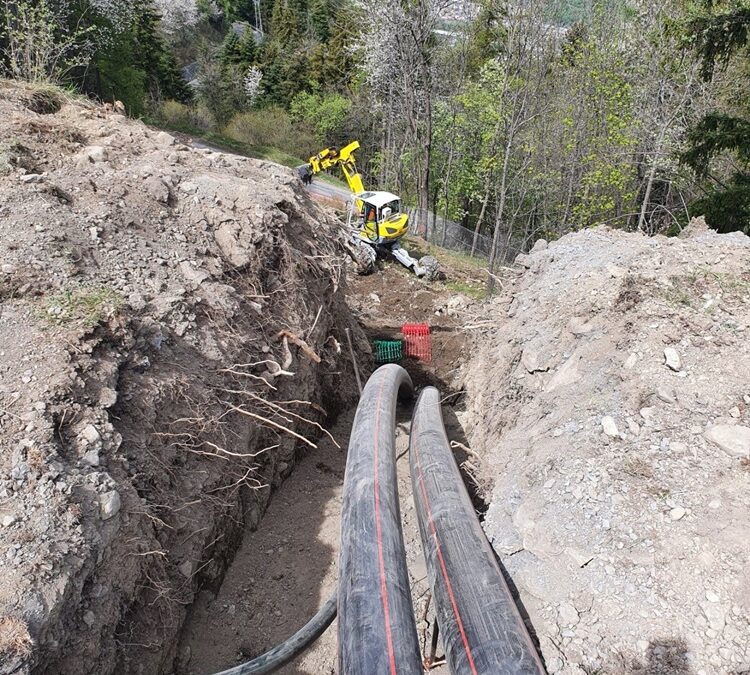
(380, 218)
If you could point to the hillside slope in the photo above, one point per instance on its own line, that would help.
(170, 334)
(610, 400)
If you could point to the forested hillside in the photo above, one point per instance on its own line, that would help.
(519, 120)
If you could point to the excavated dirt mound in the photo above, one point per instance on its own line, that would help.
(610, 400)
(171, 334)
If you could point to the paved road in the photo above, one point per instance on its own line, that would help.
(318, 188)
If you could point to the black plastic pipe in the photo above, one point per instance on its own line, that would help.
(377, 634)
(292, 647)
(480, 625)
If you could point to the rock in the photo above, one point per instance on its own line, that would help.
(579, 557)
(735, 412)
(107, 397)
(523, 260)
(90, 433)
(567, 374)
(677, 512)
(539, 245)
(630, 361)
(568, 615)
(672, 359)
(163, 138)
(530, 360)
(7, 268)
(712, 597)
(647, 413)
(91, 458)
(96, 154)
(195, 275)
(109, 504)
(89, 618)
(609, 426)
(579, 326)
(732, 438)
(8, 520)
(32, 178)
(665, 394)
(186, 569)
(715, 615)
(695, 228)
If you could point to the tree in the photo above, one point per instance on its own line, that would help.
(720, 35)
(36, 45)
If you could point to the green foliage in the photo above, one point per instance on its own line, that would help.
(273, 127)
(36, 43)
(720, 34)
(727, 210)
(325, 113)
(221, 88)
(187, 118)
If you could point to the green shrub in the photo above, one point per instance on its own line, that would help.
(179, 116)
(272, 127)
(325, 113)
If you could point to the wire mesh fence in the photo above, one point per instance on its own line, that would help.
(450, 234)
(455, 237)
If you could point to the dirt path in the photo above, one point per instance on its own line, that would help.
(288, 567)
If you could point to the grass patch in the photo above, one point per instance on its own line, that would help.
(84, 307)
(475, 291)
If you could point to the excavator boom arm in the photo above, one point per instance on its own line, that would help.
(344, 159)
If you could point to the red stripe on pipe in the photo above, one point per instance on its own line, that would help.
(379, 535)
(444, 571)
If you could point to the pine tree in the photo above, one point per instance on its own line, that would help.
(247, 49)
(719, 35)
(320, 16)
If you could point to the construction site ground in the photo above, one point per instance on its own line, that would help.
(173, 350)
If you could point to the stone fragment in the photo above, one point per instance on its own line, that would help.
(539, 245)
(568, 615)
(32, 178)
(715, 615)
(609, 426)
(90, 433)
(672, 359)
(734, 439)
(186, 569)
(677, 512)
(96, 154)
(90, 458)
(89, 618)
(109, 504)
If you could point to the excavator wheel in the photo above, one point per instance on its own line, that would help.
(431, 267)
(364, 255)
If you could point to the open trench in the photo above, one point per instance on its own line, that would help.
(286, 567)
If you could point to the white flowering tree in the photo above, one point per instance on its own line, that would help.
(177, 15)
(252, 82)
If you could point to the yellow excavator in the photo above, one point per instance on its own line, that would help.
(375, 218)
